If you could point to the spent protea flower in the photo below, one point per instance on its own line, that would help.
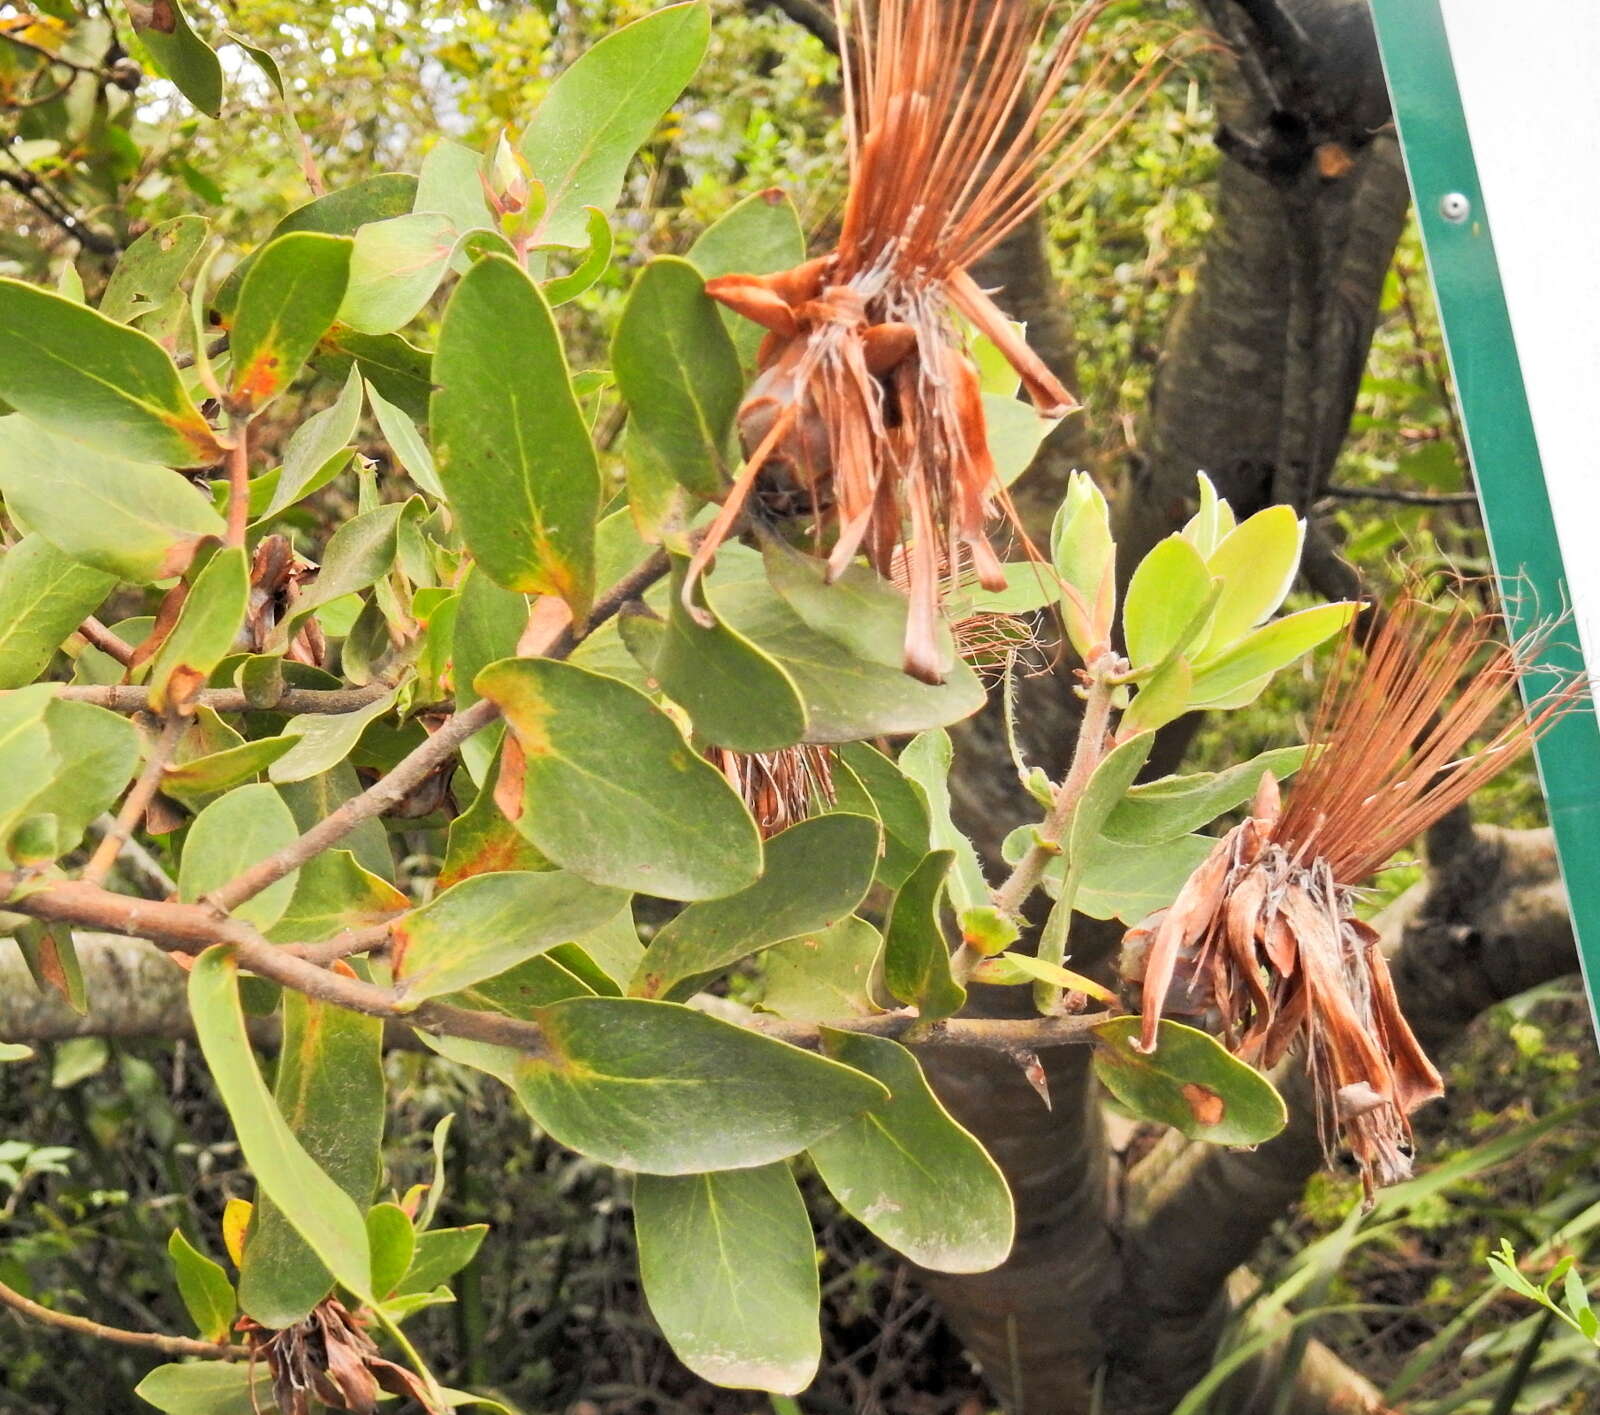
(1263, 944)
(781, 788)
(868, 412)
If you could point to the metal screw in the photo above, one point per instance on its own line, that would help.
(1454, 207)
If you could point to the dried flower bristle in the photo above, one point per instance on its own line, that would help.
(868, 409)
(1263, 944)
(781, 788)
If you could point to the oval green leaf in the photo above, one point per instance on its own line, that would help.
(96, 381)
(489, 923)
(287, 301)
(514, 453)
(318, 1208)
(1189, 1082)
(729, 1269)
(815, 874)
(599, 112)
(661, 1089)
(612, 792)
(916, 958)
(909, 1173)
(231, 834)
(679, 373)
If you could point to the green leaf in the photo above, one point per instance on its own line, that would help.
(77, 1059)
(1107, 785)
(815, 874)
(358, 553)
(489, 923)
(314, 444)
(410, 451)
(44, 596)
(1015, 434)
(909, 1173)
(329, 1094)
(757, 236)
(482, 840)
(926, 760)
(900, 805)
(736, 695)
(1168, 587)
(598, 113)
(847, 699)
(326, 738)
(440, 1255)
(393, 1242)
(1118, 880)
(612, 792)
(147, 276)
(1162, 810)
(823, 976)
(98, 753)
(333, 893)
(132, 520)
(1207, 527)
(1256, 562)
(96, 381)
(28, 762)
(730, 1272)
(14, 1051)
(1189, 1082)
(860, 610)
(658, 1088)
(234, 832)
(450, 182)
(594, 264)
(178, 52)
(398, 370)
(1162, 697)
(515, 456)
(207, 628)
(916, 959)
(1262, 653)
(286, 303)
(395, 267)
(207, 1388)
(51, 957)
(678, 372)
(318, 1208)
(204, 1287)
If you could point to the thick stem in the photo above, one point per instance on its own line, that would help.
(120, 697)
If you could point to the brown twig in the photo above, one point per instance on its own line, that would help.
(107, 642)
(239, 482)
(190, 928)
(1401, 497)
(124, 698)
(133, 807)
(148, 1341)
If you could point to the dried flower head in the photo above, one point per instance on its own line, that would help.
(1263, 944)
(329, 1359)
(868, 411)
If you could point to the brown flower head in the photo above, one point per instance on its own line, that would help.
(329, 1358)
(868, 411)
(1263, 944)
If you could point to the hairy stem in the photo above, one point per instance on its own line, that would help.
(1086, 756)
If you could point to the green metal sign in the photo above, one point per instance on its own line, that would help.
(1434, 91)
